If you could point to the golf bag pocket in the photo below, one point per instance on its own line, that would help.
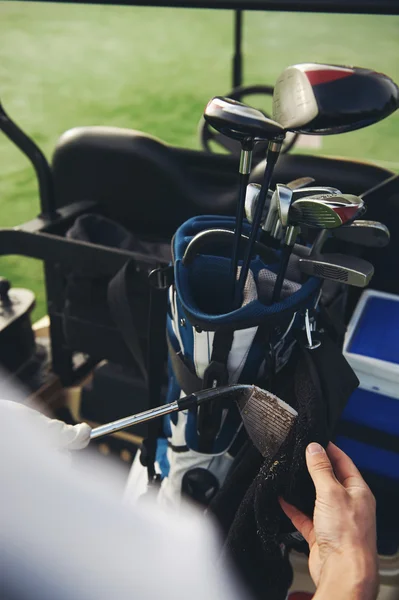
(107, 317)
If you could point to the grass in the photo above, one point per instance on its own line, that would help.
(154, 69)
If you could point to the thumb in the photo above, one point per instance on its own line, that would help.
(320, 468)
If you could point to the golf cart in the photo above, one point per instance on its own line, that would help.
(102, 170)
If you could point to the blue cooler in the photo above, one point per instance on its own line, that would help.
(369, 427)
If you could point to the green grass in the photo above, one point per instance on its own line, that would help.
(154, 69)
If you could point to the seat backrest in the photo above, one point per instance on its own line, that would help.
(350, 176)
(152, 188)
(136, 179)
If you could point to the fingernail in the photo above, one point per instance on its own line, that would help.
(314, 448)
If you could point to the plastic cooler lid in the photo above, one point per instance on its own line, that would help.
(376, 333)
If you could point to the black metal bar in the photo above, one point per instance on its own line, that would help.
(376, 7)
(237, 58)
(67, 252)
(65, 217)
(61, 355)
(38, 160)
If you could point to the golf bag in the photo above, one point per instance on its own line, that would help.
(210, 345)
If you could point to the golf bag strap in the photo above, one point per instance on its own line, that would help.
(335, 326)
(120, 296)
(209, 414)
(156, 357)
(185, 377)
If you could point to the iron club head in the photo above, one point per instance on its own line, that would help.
(372, 234)
(326, 211)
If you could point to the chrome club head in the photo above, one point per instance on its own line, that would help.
(323, 99)
(315, 190)
(372, 234)
(338, 267)
(284, 197)
(326, 211)
(240, 121)
(251, 197)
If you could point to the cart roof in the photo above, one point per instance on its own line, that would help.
(328, 6)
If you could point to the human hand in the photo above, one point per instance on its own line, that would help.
(60, 435)
(343, 560)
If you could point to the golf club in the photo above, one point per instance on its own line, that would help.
(371, 234)
(338, 267)
(252, 194)
(273, 153)
(195, 399)
(273, 225)
(323, 99)
(266, 418)
(247, 125)
(325, 211)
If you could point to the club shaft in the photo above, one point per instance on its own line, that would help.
(319, 242)
(278, 286)
(244, 179)
(272, 157)
(147, 415)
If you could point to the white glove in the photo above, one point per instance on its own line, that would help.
(60, 435)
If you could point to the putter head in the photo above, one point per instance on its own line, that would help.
(241, 122)
(326, 211)
(371, 234)
(322, 99)
(350, 270)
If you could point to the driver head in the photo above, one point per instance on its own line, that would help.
(241, 122)
(326, 99)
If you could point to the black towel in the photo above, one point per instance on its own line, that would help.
(258, 535)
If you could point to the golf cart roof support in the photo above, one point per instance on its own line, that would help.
(376, 7)
(237, 58)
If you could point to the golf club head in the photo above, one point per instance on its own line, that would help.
(296, 185)
(251, 198)
(314, 191)
(326, 211)
(323, 99)
(271, 219)
(371, 234)
(301, 182)
(241, 122)
(349, 270)
(284, 197)
(266, 418)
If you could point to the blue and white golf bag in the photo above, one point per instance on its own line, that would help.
(211, 345)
